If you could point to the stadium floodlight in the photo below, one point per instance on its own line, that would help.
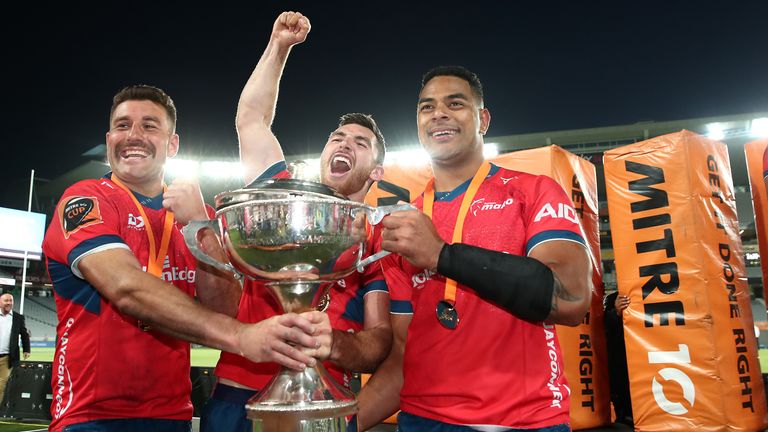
(715, 131)
(416, 155)
(490, 150)
(182, 168)
(306, 169)
(210, 169)
(221, 170)
(759, 127)
(410, 156)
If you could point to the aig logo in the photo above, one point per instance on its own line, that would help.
(563, 211)
(135, 221)
(481, 205)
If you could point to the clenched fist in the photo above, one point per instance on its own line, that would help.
(290, 28)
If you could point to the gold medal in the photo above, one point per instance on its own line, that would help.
(447, 315)
(446, 309)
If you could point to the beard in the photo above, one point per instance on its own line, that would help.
(354, 181)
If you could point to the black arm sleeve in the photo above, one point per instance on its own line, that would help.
(521, 285)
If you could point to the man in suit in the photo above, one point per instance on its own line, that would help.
(12, 327)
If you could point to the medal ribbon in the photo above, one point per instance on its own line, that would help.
(458, 229)
(156, 257)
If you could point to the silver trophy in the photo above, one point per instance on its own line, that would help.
(289, 234)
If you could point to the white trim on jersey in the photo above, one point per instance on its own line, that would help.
(76, 261)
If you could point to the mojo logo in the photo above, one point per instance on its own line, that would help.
(135, 222)
(77, 213)
(481, 205)
(420, 279)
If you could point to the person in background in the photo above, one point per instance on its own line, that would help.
(618, 374)
(12, 328)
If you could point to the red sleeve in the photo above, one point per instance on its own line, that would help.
(399, 283)
(551, 215)
(86, 218)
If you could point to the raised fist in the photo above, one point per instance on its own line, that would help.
(291, 28)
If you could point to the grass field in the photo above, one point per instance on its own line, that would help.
(201, 357)
(206, 357)
(12, 426)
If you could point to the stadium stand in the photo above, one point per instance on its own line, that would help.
(40, 315)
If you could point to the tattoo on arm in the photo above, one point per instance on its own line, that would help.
(560, 293)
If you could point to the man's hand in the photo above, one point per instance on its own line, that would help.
(323, 334)
(290, 28)
(26, 355)
(621, 303)
(412, 235)
(273, 340)
(360, 227)
(185, 200)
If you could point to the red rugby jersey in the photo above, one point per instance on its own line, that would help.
(493, 369)
(105, 366)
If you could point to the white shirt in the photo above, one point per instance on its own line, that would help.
(6, 321)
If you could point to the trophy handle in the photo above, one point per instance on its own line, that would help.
(190, 238)
(371, 259)
(376, 215)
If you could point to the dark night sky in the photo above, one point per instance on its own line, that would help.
(545, 66)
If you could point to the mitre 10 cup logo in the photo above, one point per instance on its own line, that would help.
(77, 213)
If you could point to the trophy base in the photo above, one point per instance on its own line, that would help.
(330, 417)
(302, 401)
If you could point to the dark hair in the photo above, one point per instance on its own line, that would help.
(367, 121)
(145, 92)
(609, 302)
(458, 72)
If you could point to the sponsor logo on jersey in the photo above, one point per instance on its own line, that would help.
(563, 211)
(63, 395)
(554, 368)
(135, 222)
(77, 213)
(481, 205)
(420, 279)
(507, 180)
(175, 273)
(325, 301)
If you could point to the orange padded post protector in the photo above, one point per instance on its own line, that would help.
(583, 346)
(691, 347)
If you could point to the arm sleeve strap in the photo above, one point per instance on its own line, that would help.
(523, 286)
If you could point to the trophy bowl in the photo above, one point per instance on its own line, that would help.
(287, 230)
(289, 234)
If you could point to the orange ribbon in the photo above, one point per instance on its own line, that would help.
(156, 257)
(458, 229)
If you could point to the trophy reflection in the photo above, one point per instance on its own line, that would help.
(290, 234)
